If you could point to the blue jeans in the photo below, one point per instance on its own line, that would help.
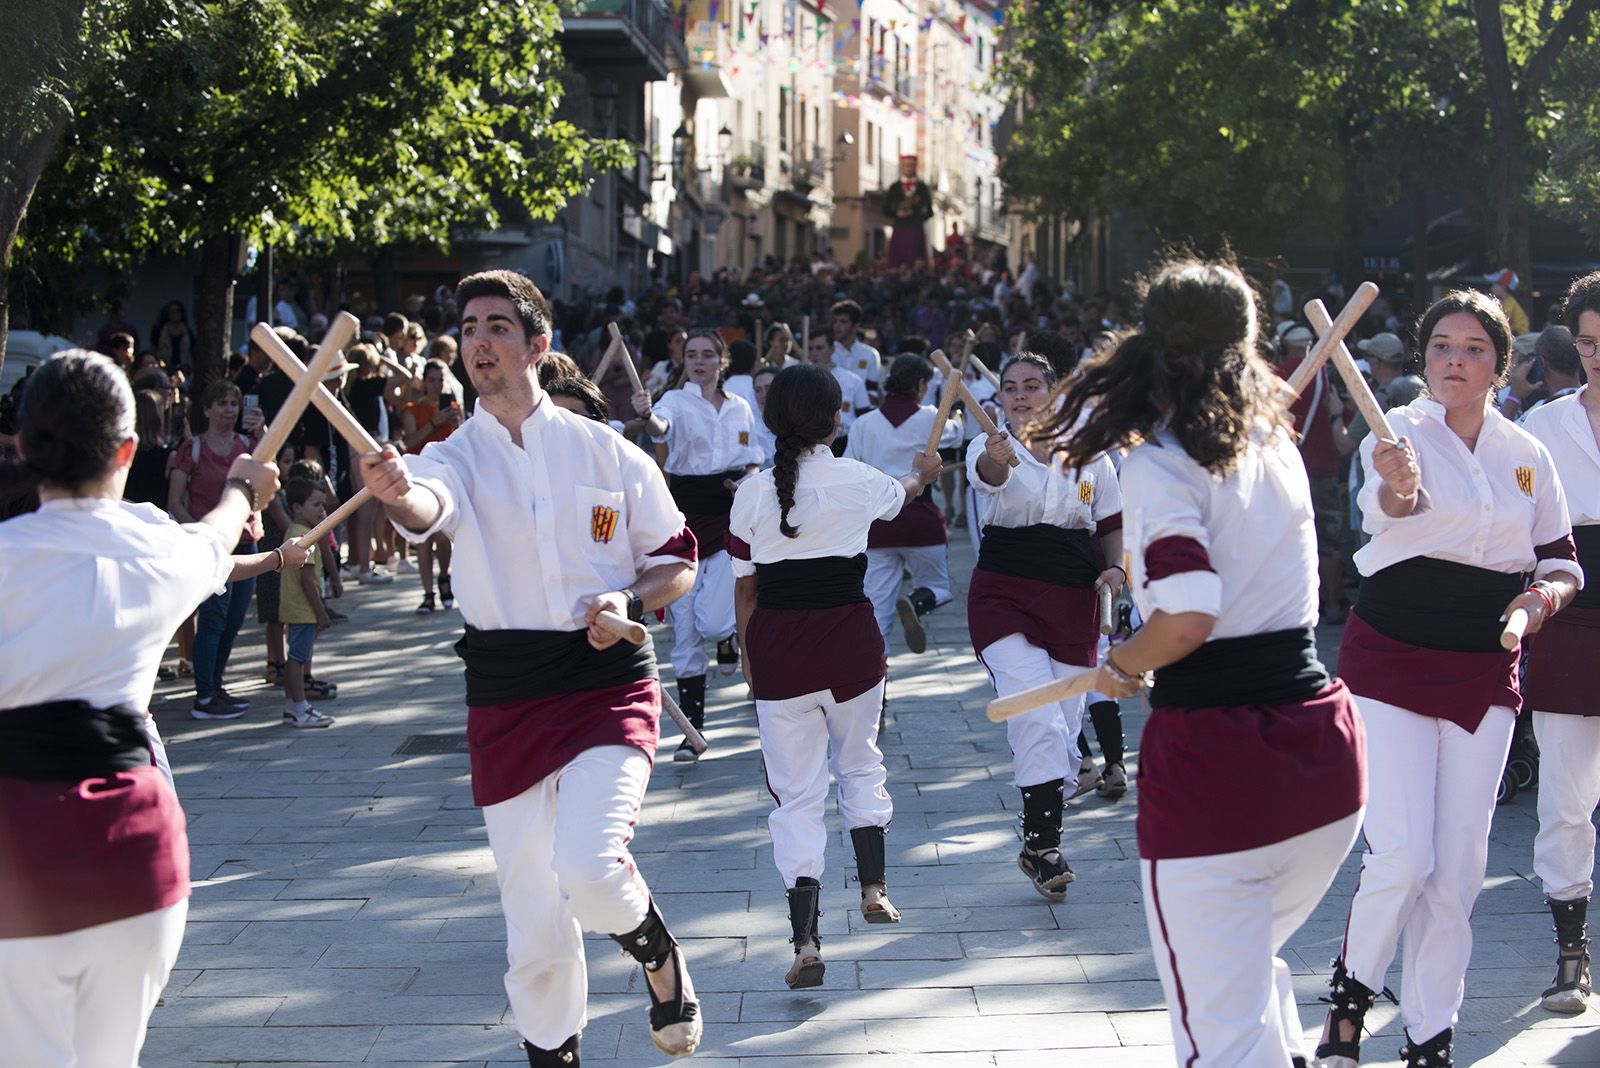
(216, 627)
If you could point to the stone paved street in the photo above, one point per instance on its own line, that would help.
(345, 906)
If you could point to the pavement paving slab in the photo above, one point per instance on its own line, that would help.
(345, 908)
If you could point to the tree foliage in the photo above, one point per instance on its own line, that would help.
(347, 123)
(1253, 118)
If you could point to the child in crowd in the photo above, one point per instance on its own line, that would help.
(301, 609)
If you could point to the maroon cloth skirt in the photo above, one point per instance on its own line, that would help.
(918, 525)
(710, 532)
(1064, 621)
(1557, 675)
(908, 246)
(796, 651)
(1225, 779)
(515, 744)
(1456, 686)
(78, 854)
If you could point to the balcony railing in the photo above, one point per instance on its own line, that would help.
(747, 168)
(809, 168)
(624, 31)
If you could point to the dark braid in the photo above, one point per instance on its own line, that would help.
(802, 411)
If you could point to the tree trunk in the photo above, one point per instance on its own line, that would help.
(1509, 215)
(213, 315)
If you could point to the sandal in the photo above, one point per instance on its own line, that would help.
(319, 688)
(675, 1025)
(1349, 1004)
(274, 672)
(804, 914)
(185, 668)
(166, 674)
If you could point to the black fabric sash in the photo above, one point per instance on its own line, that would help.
(523, 665)
(704, 494)
(1438, 604)
(71, 740)
(825, 582)
(1276, 668)
(1043, 551)
(1587, 538)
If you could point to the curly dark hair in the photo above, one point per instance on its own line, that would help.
(1582, 296)
(1190, 368)
(802, 406)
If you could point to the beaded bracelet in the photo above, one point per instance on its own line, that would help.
(1120, 675)
(1547, 593)
(243, 486)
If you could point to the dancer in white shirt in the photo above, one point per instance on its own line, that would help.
(1558, 681)
(1032, 608)
(555, 518)
(853, 399)
(711, 444)
(850, 352)
(813, 652)
(94, 859)
(1459, 510)
(889, 439)
(1218, 524)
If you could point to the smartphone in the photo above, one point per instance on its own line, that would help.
(252, 400)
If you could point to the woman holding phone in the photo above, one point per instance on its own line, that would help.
(433, 418)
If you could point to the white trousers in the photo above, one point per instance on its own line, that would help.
(1569, 789)
(929, 566)
(1430, 798)
(83, 999)
(1044, 742)
(802, 739)
(561, 859)
(1217, 924)
(703, 614)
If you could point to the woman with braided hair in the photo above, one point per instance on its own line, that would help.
(813, 654)
(711, 444)
(1222, 549)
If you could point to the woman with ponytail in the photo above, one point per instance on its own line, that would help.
(711, 444)
(814, 656)
(1032, 608)
(94, 861)
(1251, 766)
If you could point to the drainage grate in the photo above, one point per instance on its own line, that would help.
(432, 745)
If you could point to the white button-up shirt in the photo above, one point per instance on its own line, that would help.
(90, 593)
(860, 358)
(853, 399)
(576, 511)
(702, 439)
(835, 502)
(1564, 428)
(1492, 507)
(1258, 572)
(889, 448)
(1034, 492)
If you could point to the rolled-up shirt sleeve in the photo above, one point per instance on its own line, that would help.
(1172, 550)
(1552, 523)
(435, 474)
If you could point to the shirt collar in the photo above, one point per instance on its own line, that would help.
(816, 452)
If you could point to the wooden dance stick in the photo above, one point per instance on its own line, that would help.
(294, 407)
(1351, 314)
(992, 378)
(1345, 364)
(1003, 708)
(397, 367)
(1106, 625)
(600, 368)
(338, 515)
(627, 359)
(973, 406)
(633, 632)
(946, 402)
(1516, 627)
(338, 416)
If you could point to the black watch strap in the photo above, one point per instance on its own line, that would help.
(635, 606)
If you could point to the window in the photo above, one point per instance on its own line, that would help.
(872, 149)
(783, 119)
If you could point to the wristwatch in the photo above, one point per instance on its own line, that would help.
(635, 606)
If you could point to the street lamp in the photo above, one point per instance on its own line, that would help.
(681, 140)
(605, 104)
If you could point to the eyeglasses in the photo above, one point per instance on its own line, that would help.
(1587, 346)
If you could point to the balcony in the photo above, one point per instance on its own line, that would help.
(747, 169)
(708, 46)
(623, 33)
(809, 169)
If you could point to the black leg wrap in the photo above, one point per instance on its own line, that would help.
(869, 853)
(692, 699)
(805, 911)
(1572, 941)
(650, 943)
(1041, 815)
(1083, 745)
(563, 1056)
(1434, 1053)
(923, 600)
(1351, 1001)
(1107, 719)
